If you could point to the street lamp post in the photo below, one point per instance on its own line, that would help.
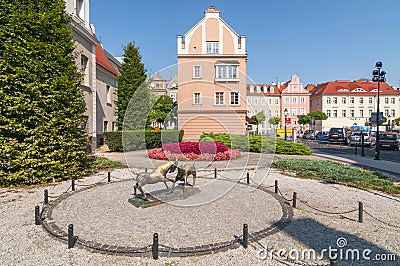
(286, 114)
(378, 75)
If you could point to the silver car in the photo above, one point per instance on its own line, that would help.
(355, 138)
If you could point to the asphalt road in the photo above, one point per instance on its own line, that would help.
(337, 149)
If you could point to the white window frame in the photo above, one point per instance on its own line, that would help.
(212, 47)
(302, 100)
(196, 98)
(328, 113)
(219, 100)
(328, 100)
(236, 98)
(196, 72)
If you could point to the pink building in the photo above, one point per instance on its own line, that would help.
(296, 100)
(212, 78)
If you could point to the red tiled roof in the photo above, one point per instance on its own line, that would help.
(277, 91)
(102, 60)
(345, 87)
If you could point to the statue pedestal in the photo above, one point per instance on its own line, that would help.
(162, 196)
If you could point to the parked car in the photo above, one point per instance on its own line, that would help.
(337, 134)
(355, 138)
(322, 136)
(389, 140)
(309, 134)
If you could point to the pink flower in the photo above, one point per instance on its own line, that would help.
(189, 151)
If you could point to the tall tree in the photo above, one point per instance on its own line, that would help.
(162, 109)
(42, 104)
(132, 75)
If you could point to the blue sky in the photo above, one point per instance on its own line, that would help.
(320, 40)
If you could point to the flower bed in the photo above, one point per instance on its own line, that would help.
(190, 151)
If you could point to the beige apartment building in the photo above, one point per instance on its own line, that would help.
(265, 98)
(211, 78)
(99, 72)
(349, 103)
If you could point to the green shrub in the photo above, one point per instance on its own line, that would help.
(258, 144)
(103, 163)
(337, 172)
(133, 140)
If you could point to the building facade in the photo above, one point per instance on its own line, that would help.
(265, 98)
(348, 103)
(295, 100)
(99, 72)
(211, 78)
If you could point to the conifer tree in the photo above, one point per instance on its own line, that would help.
(132, 76)
(42, 104)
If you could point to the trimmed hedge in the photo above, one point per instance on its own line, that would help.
(133, 140)
(260, 144)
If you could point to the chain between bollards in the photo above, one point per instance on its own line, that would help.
(37, 215)
(46, 196)
(360, 212)
(109, 177)
(248, 178)
(71, 237)
(276, 186)
(294, 204)
(245, 235)
(154, 247)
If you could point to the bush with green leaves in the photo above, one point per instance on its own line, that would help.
(337, 172)
(132, 140)
(42, 104)
(260, 144)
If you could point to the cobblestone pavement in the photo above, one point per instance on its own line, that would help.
(325, 213)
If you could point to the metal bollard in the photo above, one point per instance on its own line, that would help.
(46, 196)
(73, 185)
(248, 178)
(71, 237)
(360, 212)
(276, 186)
(355, 149)
(37, 215)
(109, 176)
(362, 145)
(294, 200)
(333, 262)
(154, 248)
(215, 172)
(245, 235)
(145, 170)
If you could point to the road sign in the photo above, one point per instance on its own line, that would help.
(374, 117)
(287, 120)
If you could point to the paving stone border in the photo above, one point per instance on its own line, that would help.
(164, 251)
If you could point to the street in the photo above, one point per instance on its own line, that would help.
(337, 149)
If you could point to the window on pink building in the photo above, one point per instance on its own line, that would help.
(234, 98)
(212, 48)
(219, 98)
(196, 98)
(196, 72)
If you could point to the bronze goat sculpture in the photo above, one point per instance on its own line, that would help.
(158, 175)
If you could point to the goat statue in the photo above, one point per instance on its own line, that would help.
(158, 175)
